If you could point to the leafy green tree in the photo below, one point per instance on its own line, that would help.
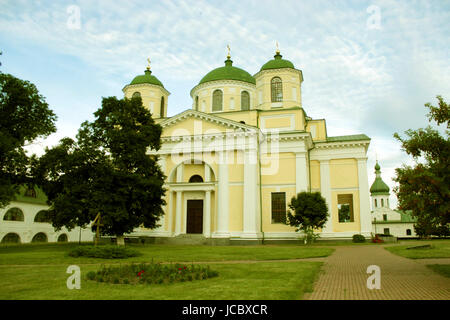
(424, 187)
(107, 171)
(309, 212)
(24, 116)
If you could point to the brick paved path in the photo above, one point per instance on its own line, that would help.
(344, 277)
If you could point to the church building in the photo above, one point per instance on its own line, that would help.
(234, 160)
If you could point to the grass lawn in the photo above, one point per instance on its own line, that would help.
(442, 269)
(39, 272)
(439, 249)
(57, 253)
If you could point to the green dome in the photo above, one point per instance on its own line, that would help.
(378, 186)
(147, 78)
(228, 73)
(277, 63)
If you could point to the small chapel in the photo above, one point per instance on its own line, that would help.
(245, 147)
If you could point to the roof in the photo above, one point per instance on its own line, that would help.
(40, 198)
(147, 78)
(379, 187)
(354, 137)
(277, 63)
(228, 72)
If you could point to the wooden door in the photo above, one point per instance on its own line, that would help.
(194, 223)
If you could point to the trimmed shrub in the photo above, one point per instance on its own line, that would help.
(104, 252)
(358, 238)
(151, 273)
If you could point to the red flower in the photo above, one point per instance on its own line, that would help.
(140, 273)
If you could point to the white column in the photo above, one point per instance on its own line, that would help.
(178, 214)
(364, 201)
(301, 172)
(325, 190)
(250, 212)
(207, 173)
(222, 214)
(207, 215)
(178, 201)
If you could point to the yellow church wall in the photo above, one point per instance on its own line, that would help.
(284, 122)
(290, 82)
(343, 173)
(279, 168)
(292, 119)
(345, 226)
(151, 98)
(315, 174)
(249, 117)
(192, 169)
(317, 129)
(267, 224)
(236, 194)
(236, 171)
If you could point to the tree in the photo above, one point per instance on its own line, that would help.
(424, 187)
(309, 212)
(107, 171)
(24, 116)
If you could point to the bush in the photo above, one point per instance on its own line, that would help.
(104, 252)
(358, 238)
(151, 273)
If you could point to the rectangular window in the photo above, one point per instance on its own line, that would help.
(384, 217)
(279, 207)
(386, 231)
(345, 207)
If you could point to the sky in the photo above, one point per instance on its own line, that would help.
(369, 66)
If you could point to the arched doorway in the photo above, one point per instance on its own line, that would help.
(11, 238)
(39, 237)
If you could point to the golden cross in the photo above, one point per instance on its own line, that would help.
(278, 50)
(228, 56)
(148, 66)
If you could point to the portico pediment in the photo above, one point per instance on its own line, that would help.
(193, 122)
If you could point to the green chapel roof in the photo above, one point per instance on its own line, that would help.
(379, 187)
(228, 72)
(147, 78)
(277, 63)
(40, 198)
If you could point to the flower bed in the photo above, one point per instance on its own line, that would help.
(151, 273)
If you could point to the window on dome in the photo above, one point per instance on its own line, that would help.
(162, 108)
(136, 94)
(376, 204)
(277, 89)
(345, 208)
(196, 103)
(14, 214)
(217, 100)
(382, 202)
(30, 193)
(245, 100)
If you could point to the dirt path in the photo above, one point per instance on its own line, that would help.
(344, 277)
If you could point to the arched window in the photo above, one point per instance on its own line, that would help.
(136, 94)
(277, 89)
(376, 205)
(382, 202)
(39, 237)
(62, 238)
(11, 238)
(14, 214)
(162, 108)
(196, 103)
(245, 100)
(408, 232)
(196, 178)
(217, 100)
(42, 216)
